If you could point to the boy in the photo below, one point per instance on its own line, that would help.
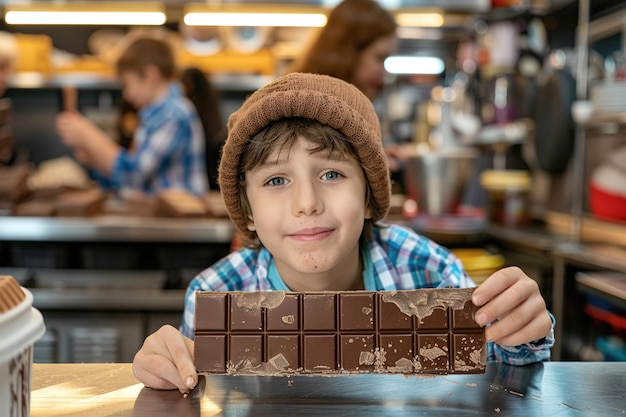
(168, 147)
(304, 178)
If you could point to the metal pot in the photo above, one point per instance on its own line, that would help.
(436, 179)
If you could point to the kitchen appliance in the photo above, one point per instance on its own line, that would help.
(435, 179)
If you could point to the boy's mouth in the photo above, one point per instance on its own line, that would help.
(312, 234)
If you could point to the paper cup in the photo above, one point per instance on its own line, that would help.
(20, 326)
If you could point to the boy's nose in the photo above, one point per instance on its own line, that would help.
(306, 199)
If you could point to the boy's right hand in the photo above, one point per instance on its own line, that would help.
(165, 361)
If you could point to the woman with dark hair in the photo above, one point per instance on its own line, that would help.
(358, 37)
(205, 98)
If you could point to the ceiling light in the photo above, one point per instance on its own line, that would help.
(96, 13)
(275, 16)
(430, 65)
(425, 20)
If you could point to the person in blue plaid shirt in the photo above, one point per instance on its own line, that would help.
(168, 147)
(305, 181)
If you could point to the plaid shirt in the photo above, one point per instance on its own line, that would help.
(395, 259)
(168, 149)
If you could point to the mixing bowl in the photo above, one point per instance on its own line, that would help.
(436, 179)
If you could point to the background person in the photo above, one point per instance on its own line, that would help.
(168, 146)
(359, 35)
(205, 97)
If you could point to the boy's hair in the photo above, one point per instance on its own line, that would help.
(282, 135)
(329, 102)
(148, 51)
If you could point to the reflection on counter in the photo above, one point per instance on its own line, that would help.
(542, 389)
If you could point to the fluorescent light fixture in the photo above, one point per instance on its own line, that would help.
(404, 32)
(429, 65)
(96, 13)
(274, 16)
(417, 19)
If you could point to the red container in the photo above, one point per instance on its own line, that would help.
(605, 204)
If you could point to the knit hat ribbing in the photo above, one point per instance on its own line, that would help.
(328, 100)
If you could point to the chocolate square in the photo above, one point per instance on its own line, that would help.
(216, 344)
(246, 349)
(357, 353)
(211, 312)
(319, 353)
(244, 318)
(286, 316)
(356, 311)
(286, 345)
(319, 311)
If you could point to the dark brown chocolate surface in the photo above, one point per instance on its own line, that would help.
(417, 331)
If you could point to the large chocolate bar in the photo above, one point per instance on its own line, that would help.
(277, 332)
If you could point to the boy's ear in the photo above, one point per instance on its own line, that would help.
(368, 212)
(251, 226)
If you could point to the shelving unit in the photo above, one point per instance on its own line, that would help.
(595, 248)
(113, 280)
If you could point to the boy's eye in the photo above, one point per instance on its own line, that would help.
(331, 175)
(276, 181)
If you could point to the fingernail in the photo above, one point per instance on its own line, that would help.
(189, 381)
(481, 319)
(476, 300)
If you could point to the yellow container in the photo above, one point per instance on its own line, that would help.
(34, 53)
(509, 197)
(479, 263)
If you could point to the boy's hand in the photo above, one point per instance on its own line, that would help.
(165, 361)
(74, 128)
(90, 144)
(512, 303)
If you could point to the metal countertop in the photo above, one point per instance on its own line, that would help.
(115, 229)
(544, 389)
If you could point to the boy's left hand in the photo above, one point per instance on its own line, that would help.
(512, 303)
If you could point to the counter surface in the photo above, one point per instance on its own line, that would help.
(544, 389)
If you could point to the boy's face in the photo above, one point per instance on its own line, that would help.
(308, 210)
(137, 89)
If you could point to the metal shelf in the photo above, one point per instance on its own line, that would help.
(115, 229)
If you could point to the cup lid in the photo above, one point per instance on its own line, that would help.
(11, 294)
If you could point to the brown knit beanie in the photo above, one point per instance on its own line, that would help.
(328, 100)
